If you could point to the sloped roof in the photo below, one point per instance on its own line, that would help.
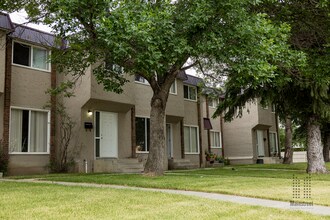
(5, 22)
(193, 80)
(33, 36)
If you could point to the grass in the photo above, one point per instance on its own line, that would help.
(260, 181)
(45, 201)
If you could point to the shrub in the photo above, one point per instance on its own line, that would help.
(3, 161)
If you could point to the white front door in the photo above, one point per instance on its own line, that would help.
(169, 140)
(260, 143)
(106, 134)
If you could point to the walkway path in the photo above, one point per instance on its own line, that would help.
(314, 209)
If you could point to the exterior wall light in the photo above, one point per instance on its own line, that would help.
(89, 113)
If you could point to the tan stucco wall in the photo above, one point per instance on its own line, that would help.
(74, 108)
(142, 96)
(190, 113)
(28, 164)
(98, 92)
(2, 60)
(28, 91)
(238, 135)
(175, 105)
(29, 87)
(176, 140)
(266, 117)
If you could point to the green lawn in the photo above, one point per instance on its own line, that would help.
(262, 181)
(45, 201)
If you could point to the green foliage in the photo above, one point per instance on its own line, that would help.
(64, 159)
(303, 76)
(155, 39)
(3, 161)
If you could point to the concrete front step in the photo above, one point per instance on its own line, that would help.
(181, 164)
(272, 160)
(129, 166)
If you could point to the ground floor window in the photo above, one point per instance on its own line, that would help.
(29, 131)
(142, 126)
(273, 144)
(191, 139)
(215, 139)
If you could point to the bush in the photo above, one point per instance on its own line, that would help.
(3, 161)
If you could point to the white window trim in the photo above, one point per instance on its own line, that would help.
(142, 83)
(273, 109)
(214, 103)
(220, 141)
(146, 135)
(276, 144)
(31, 57)
(192, 100)
(193, 153)
(176, 88)
(48, 130)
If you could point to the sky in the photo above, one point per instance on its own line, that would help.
(20, 18)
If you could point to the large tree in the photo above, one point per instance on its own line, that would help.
(301, 91)
(155, 39)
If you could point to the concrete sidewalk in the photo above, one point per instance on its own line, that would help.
(313, 209)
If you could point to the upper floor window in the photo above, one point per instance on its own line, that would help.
(173, 88)
(190, 92)
(114, 67)
(140, 79)
(273, 108)
(29, 131)
(213, 102)
(27, 55)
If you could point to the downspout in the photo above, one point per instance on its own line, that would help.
(199, 130)
(7, 97)
(182, 139)
(133, 132)
(208, 130)
(53, 116)
(221, 135)
(277, 136)
(268, 142)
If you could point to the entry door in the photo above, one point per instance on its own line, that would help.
(169, 140)
(106, 135)
(260, 143)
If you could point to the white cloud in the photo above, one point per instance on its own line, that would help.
(21, 18)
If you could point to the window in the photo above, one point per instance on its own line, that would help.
(30, 56)
(140, 79)
(173, 88)
(273, 144)
(273, 108)
(29, 131)
(215, 139)
(142, 126)
(114, 67)
(213, 103)
(191, 140)
(190, 92)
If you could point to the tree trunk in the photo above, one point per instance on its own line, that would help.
(314, 148)
(288, 142)
(155, 162)
(326, 148)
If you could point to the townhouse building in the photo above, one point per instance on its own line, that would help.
(111, 132)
